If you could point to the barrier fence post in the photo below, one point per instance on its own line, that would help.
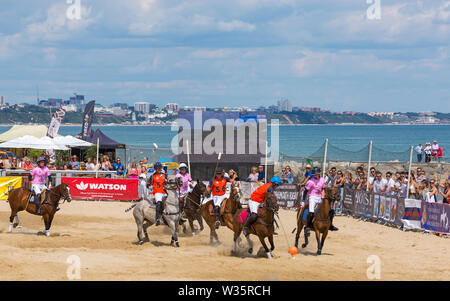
(325, 158)
(265, 173)
(409, 172)
(96, 170)
(368, 166)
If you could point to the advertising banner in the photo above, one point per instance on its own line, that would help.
(435, 217)
(7, 184)
(363, 203)
(88, 116)
(288, 195)
(102, 188)
(348, 204)
(411, 216)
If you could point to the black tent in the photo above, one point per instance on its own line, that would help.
(107, 146)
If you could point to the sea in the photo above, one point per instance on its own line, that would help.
(296, 140)
(299, 140)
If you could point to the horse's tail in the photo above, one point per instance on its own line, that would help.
(132, 206)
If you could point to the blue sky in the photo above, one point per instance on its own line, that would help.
(215, 53)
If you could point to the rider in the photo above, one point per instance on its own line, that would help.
(257, 197)
(39, 175)
(158, 182)
(186, 179)
(218, 187)
(316, 192)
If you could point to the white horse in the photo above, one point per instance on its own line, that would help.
(145, 213)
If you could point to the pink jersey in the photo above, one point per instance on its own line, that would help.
(315, 186)
(40, 175)
(186, 179)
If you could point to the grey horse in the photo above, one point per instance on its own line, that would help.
(145, 213)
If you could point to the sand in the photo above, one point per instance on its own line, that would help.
(103, 236)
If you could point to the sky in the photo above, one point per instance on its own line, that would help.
(344, 55)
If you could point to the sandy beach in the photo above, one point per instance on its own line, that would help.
(103, 236)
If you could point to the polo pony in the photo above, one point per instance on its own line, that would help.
(19, 200)
(321, 221)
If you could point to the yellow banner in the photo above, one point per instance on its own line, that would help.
(7, 184)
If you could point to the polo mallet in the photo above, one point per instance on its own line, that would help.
(217, 164)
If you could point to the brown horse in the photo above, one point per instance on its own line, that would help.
(263, 226)
(192, 205)
(18, 201)
(229, 207)
(321, 222)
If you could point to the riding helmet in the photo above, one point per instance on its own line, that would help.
(276, 180)
(158, 165)
(316, 170)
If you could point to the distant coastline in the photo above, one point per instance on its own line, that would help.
(294, 124)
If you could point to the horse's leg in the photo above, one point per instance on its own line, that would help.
(200, 222)
(319, 245)
(272, 245)
(261, 239)
(49, 224)
(11, 219)
(306, 239)
(139, 224)
(46, 223)
(173, 226)
(145, 225)
(324, 235)
(299, 231)
(191, 224)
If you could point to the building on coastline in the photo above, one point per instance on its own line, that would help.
(172, 107)
(389, 115)
(310, 109)
(284, 105)
(142, 107)
(194, 108)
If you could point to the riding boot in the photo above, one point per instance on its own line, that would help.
(158, 213)
(250, 220)
(37, 202)
(309, 219)
(332, 227)
(217, 216)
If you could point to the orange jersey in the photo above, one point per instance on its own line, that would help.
(158, 182)
(260, 193)
(219, 187)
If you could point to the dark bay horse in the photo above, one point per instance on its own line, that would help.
(229, 207)
(18, 201)
(321, 222)
(192, 205)
(263, 226)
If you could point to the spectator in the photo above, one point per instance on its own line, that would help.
(362, 185)
(419, 151)
(434, 150)
(261, 174)
(90, 165)
(331, 177)
(27, 165)
(340, 180)
(253, 176)
(434, 191)
(233, 176)
(440, 154)
(133, 172)
(106, 164)
(446, 193)
(289, 175)
(74, 163)
(372, 175)
(83, 166)
(427, 150)
(379, 184)
(283, 175)
(424, 191)
(348, 180)
(413, 187)
(118, 167)
(390, 184)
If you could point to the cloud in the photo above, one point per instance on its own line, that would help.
(236, 25)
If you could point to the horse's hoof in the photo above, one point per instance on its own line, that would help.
(141, 242)
(271, 249)
(193, 233)
(319, 252)
(15, 225)
(250, 250)
(269, 256)
(304, 245)
(177, 244)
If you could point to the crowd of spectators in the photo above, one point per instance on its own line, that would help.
(433, 152)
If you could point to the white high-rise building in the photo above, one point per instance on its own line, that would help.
(284, 105)
(142, 107)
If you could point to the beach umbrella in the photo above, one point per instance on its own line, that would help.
(71, 141)
(32, 142)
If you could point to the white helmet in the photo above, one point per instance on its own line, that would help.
(182, 165)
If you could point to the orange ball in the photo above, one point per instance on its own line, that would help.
(293, 250)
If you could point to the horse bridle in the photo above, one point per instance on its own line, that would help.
(198, 194)
(60, 196)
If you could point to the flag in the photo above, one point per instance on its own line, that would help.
(87, 120)
(53, 130)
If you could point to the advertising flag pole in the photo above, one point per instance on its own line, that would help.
(96, 169)
(409, 172)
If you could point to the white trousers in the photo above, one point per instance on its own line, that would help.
(218, 199)
(253, 206)
(159, 197)
(142, 190)
(313, 200)
(37, 188)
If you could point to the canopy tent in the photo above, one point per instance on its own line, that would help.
(104, 141)
(71, 141)
(28, 141)
(21, 130)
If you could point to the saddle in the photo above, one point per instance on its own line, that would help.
(43, 194)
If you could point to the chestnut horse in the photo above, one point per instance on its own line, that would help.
(321, 221)
(263, 227)
(18, 201)
(192, 205)
(229, 206)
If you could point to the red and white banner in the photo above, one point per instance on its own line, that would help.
(103, 188)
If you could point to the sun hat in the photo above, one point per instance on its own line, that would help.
(308, 166)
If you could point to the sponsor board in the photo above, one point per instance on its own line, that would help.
(103, 188)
